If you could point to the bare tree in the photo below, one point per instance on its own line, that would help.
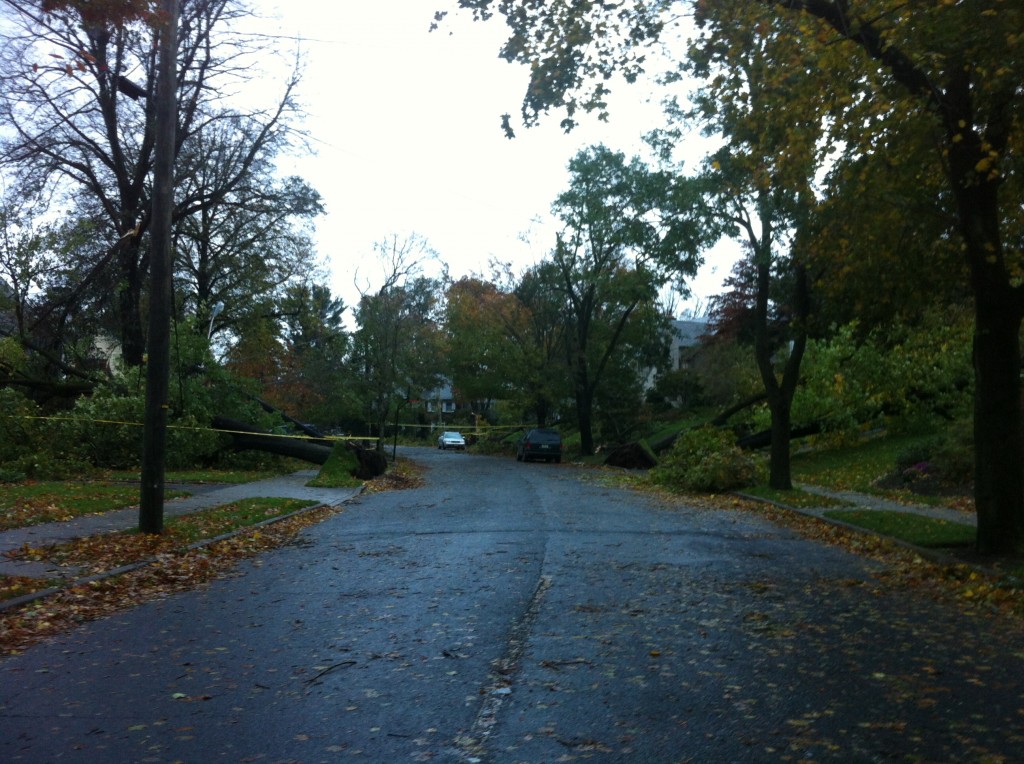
(78, 94)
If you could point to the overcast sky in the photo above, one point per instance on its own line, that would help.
(406, 125)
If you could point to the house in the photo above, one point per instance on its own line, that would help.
(685, 339)
(440, 401)
(683, 346)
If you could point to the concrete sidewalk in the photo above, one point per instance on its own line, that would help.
(866, 501)
(284, 487)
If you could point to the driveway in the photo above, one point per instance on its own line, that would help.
(514, 612)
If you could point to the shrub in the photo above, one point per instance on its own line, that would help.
(707, 460)
(953, 454)
(20, 431)
(11, 476)
(30, 445)
(104, 429)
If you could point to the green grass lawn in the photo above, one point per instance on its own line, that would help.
(204, 476)
(854, 468)
(914, 529)
(31, 503)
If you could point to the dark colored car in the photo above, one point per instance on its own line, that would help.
(540, 443)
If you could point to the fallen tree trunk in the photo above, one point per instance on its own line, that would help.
(371, 462)
(665, 443)
(245, 436)
(634, 456)
(763, 439)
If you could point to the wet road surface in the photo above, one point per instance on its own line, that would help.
(515, 612)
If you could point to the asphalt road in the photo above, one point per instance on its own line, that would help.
(527, 613)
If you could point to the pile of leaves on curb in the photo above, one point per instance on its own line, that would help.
(976, 585)
(169, 573)
(401, 475)
(976, 588)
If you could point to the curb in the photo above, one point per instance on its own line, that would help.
(25, 599)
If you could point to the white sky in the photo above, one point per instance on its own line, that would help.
(406, 124)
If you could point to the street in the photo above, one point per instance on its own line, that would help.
(513, 612)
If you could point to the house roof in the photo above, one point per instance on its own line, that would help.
(689, 331)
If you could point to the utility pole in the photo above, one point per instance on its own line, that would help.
(154, 434)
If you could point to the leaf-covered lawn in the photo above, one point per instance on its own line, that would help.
(795, 497)
(31, 503)
(170, 572)
(97, 554)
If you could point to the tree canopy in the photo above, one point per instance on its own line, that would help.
(947, 72)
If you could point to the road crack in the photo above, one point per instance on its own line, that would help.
(471, 746)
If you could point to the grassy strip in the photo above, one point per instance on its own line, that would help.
(98, 554)
(30, 503)
(233, 477)
(796, 498)
(914, 529)
(18, 586)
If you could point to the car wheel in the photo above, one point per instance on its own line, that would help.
(558, 460)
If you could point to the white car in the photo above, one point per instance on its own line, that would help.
(451, 440)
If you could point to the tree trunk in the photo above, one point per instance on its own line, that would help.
(129, 305)
(584, 408)
(779, 473)
(998, 440)
(244, 436)
(999, 451)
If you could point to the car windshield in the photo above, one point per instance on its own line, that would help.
(543, 436)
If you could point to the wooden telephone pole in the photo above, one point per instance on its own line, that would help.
(154, 434)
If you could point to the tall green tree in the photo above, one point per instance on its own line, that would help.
(627, 232)
(478, 317)
(952, 70)
(538, 334)
(398, 343)
(762, 183)
(318, 344)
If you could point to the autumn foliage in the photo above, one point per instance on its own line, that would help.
(106, 13)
